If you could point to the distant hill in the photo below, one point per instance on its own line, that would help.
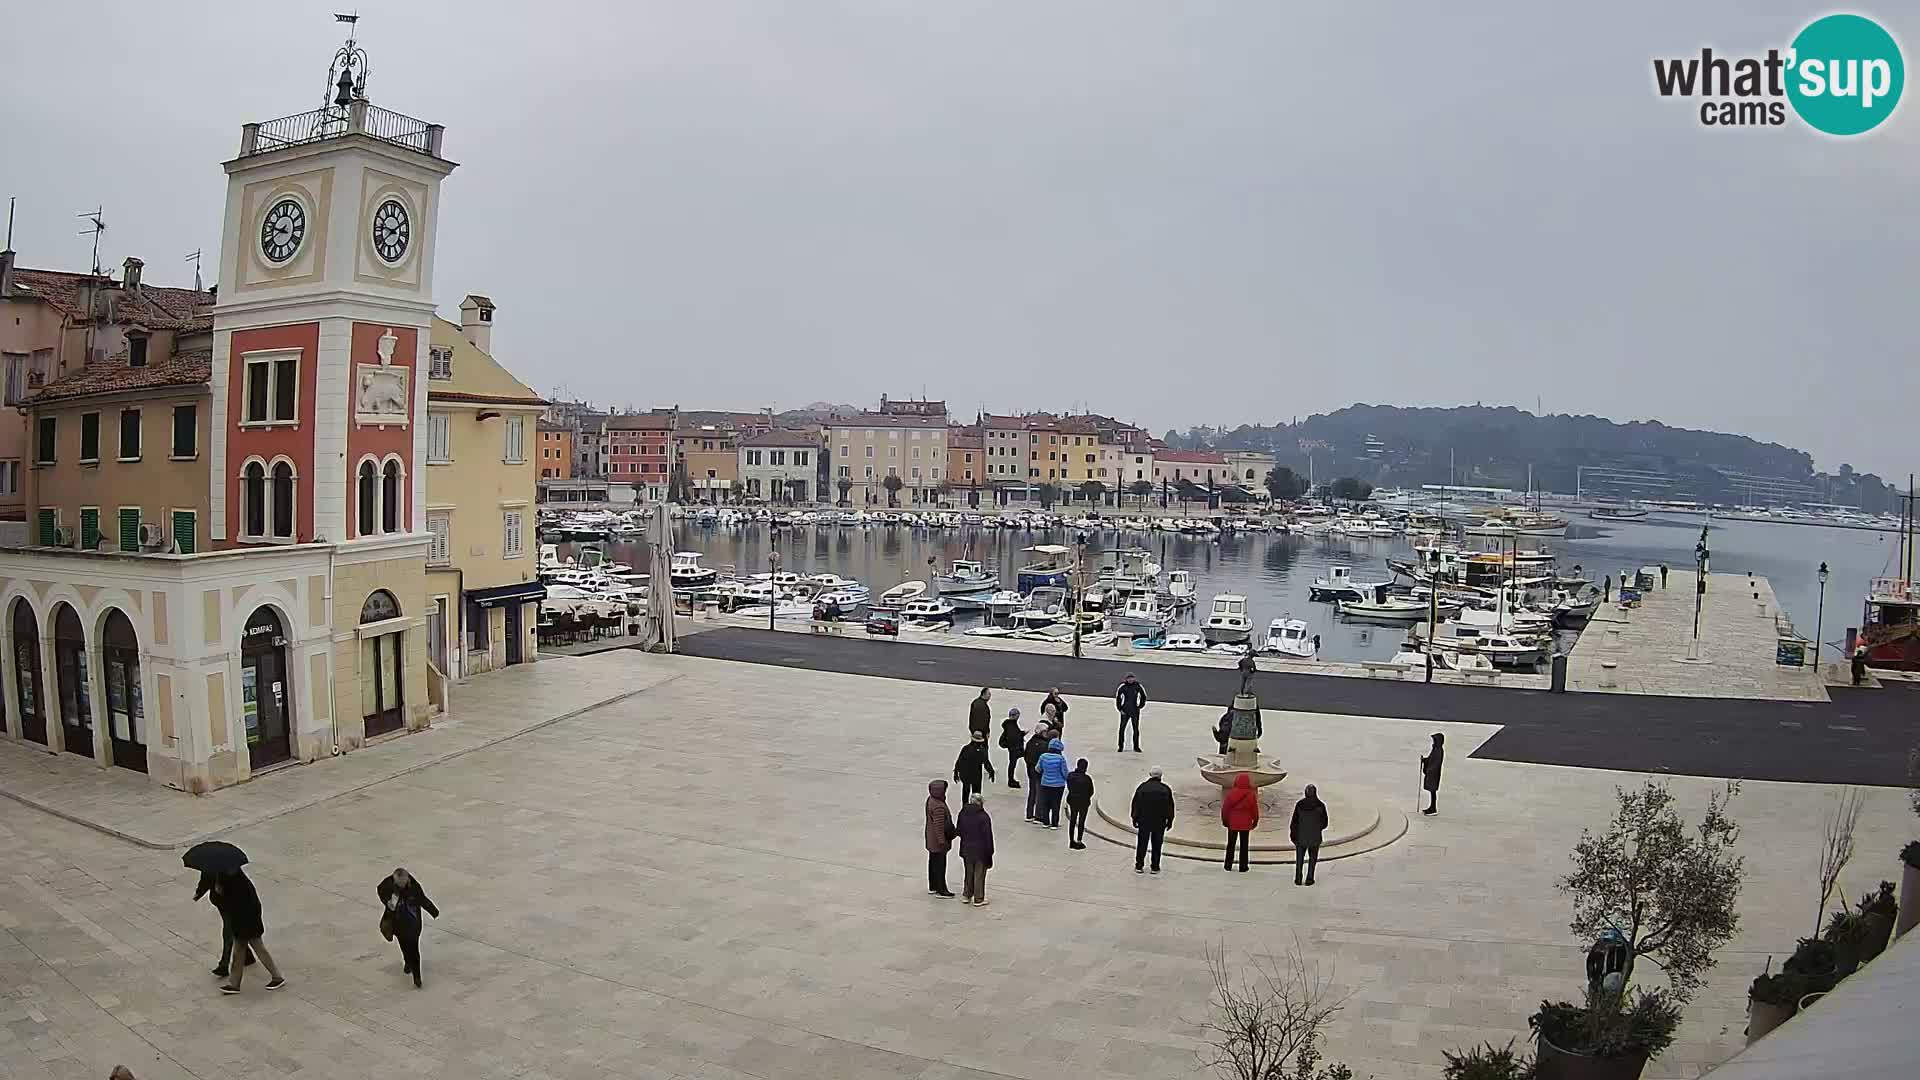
(1495, 446)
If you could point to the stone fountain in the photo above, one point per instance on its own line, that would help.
(1242, 728)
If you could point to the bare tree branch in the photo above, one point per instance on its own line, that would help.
(1836, 848)
(1264, 1020)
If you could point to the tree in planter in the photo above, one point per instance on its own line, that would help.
(1607, 1027)
(1836, 848)
(1092, 491)
(893, 484)
(1264, 1022)
(1669, 891)
(845, 485)
(1140, 489)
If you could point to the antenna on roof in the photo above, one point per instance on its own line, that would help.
(99, 225)
(194, 258)
(9, 246)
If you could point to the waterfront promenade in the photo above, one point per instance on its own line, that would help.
(720, 876)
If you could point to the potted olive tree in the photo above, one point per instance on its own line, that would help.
(1668, 892)
(1771, 1001)
(1818, 962)
(1847, 933)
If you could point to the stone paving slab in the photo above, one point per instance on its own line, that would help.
(485, 710)
(1737, 643)
(723, 877)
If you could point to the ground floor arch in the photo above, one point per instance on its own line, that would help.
(70, 669)
(120, 675)
(266, 704)
(28, 685)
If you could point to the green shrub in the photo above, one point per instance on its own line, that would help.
(1488, 1062)
(1608, 1027)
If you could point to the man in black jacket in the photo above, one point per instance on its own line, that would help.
(217, 899)
(404, 899)
(1152, 817)
(1036, 745)
(980, 714)
(973, 760)
(1130, 699)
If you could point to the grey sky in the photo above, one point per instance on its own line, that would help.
(1180, 213)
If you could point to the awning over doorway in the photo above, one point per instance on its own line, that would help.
(518, 593)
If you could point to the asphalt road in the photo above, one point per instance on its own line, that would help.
(1862, 737)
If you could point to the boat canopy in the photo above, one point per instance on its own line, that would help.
(1049, 549)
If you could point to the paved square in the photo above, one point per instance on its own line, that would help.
(721, 877)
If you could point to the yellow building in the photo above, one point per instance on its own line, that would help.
(868, 448)
(483, 585)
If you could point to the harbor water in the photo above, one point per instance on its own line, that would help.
(1275, 570)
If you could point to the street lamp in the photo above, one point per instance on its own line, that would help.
(1819, 620)
(773, 571)
(1700, 554)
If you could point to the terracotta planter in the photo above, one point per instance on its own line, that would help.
(1909, 899)
(1879, 930)
(1557, 1064)
(1763, 1017)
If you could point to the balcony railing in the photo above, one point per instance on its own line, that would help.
(359, 118)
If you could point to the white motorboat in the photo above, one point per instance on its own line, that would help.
(1503, 650)
(1051, 565)
(685, 572)
(1381, 606)
(966, 576)
(1185, 643)
(1141, 614)
(1180, 588)
(1506, 620)
(1004, 603)
(1227, 623)
(1045, 606)
(786, 609)
(1288, 636)
(899, 595)
(569, 600)
(735, 595)
(1442, 661)
(928, 609)
(826, 583)
(1340, 584)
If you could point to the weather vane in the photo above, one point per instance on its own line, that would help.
(347, 75)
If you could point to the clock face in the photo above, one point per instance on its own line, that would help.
(282, 230)
(391, 231)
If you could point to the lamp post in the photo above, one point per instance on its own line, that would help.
(1819, 620)
(1700, 554)
(773, 571)
(1079, 592)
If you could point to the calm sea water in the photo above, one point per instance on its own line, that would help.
(1274, 570)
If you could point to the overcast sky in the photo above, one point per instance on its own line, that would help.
(1178, 213)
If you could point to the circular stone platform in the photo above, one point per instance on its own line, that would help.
(1362, 821)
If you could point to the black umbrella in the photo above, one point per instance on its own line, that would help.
(214, 857)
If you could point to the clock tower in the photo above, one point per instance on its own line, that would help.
(320, 332)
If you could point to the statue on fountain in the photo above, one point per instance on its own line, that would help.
(1239, 737)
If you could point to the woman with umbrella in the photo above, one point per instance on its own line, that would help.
(213, 858)
(404, 899)
(241, 904)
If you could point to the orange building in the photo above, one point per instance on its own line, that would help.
(555, 460)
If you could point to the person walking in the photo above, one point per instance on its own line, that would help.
(1308, 827)
(1014, 742)
(1240, 813)
(1663, 575)
(241, 903)
(1152, 817)
(1430, 773)
(1053, 782)
(974, 759)
(218, 900)
(940, 834)
(1130, 699)
(979, 713)
(1036, 745)
(1059, 704)
(404, 900)
(976, 850)
(1859, 664)
(1079, 801)
(1606, 590)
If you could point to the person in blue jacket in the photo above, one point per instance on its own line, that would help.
(1053, 783)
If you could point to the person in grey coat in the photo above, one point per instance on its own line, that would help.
(1430, 772)
(1308, 827)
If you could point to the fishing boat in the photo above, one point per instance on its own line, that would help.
(1185, 643)
(1045, 606)
(966, 576)
(893, 599)
(1381, 606)
(1339, 584)
(1051, 565)
(1890, 626)
(825, 583)
(1518, 523)
(1180, 588)
(1141, 614)
(1227, 623)
(685, 572)
(1616, 513)
(1503, 650)
(928, 609)
(1413, 657)
(1002, 604)
(1288, 636)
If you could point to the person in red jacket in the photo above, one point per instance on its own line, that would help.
(1240, 813)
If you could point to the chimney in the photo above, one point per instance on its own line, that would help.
(130, 279)
(476, 322)
(6, 273)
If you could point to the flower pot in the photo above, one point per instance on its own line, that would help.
(1909, 899)
(1847, 956)
(1557, 1064)
(1879, 929)
(1819, 982)
(1763, 1017)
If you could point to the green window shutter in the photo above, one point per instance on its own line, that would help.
(130, 528)
(49, 521)
(89, 529)
(183, 530)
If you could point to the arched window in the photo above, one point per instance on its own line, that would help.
(380, 667)
(70, 678)
(283, 500)
(253, 499)
(390, 498)
(368, 481)
(380, 606)
(126, 719)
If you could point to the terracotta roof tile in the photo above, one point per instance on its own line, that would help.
(876, 420)
(781, 438)
(483, 399)
(192, 368)
(640, 422)
(151, 306)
